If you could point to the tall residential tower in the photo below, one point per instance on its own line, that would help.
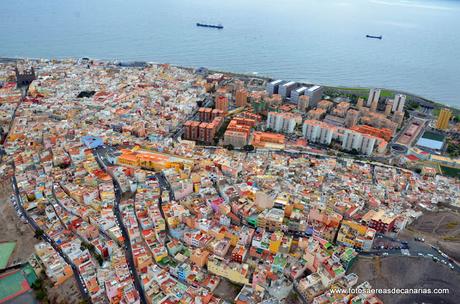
(443, 120)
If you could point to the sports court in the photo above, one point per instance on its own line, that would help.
(12, 284)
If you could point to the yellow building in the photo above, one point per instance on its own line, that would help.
(128, 159)
(159, 253)
(235, 272)
(275, 242)
(443, 120)
(356, 235)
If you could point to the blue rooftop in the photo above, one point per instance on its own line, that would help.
(430, 143)
(92, 141)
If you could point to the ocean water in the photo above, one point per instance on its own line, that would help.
(319, 41)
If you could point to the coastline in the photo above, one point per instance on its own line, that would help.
(337, 88)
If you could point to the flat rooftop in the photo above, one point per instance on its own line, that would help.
(431, 140)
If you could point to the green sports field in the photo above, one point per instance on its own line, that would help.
(6, 249)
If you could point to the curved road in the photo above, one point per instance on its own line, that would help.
(124, 232)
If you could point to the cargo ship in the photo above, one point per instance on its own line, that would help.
(218, 26)
(374, 37)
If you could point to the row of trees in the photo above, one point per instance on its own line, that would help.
(247, 148)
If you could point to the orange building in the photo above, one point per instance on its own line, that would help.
(238, 130)
(128, 159)
(152, 160)
(235, 138)
(216, 113)
(241, 97)
(237, 126)
(244, 121)
(250, 115)
(203, 131)
(383, 133)
(260, 139)
(199, 257)
(222, 103)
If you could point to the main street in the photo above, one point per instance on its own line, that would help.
(127, 242)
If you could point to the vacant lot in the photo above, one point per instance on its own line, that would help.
(408, 272)
(12, 229)
(66, 293)
(227, 290)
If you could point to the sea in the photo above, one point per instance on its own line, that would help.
(315, 41)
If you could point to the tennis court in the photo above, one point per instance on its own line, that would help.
(11, 285)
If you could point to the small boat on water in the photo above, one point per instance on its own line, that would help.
(218, 26)
(374, 37)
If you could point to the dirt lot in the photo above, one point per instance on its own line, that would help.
(408, 272)
(441, 229)
(67, 293)
(227, 290)
(13, 229)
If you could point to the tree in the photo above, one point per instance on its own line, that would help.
(229, 147)
(99, 259)
(91, 247)
(41, 294)
(39, 233)
(37, 284)
(248, 148)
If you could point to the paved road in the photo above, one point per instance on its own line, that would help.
(414, 248)
(127, 243)
(101, 231)
(45, 237)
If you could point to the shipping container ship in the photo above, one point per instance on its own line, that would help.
(219, 26)
(374, 37)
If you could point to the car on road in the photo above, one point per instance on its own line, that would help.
(419, 239)
(385, 254)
